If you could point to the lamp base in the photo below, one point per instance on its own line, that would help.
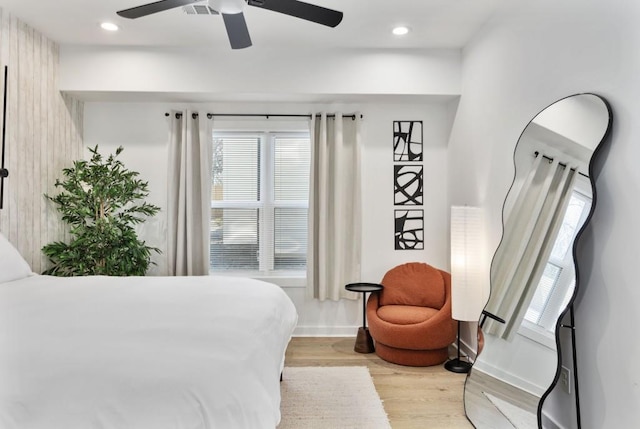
(457, 365)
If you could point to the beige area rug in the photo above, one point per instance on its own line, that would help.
(519, 418)
(330, 398)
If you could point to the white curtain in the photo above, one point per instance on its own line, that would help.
(334, 252)
(530, 231)
(189, 199)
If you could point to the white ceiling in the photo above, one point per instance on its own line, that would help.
(366, 24)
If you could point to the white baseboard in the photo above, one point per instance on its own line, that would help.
(509, 378)
(466, 350)
(325, 331)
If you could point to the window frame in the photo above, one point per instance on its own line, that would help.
(266, 206)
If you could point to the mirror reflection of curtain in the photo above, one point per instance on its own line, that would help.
(529, 234)
(333, 257)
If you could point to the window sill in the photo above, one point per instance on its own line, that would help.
(284, 280)
(537, 334)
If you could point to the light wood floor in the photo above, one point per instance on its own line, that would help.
(421, 398)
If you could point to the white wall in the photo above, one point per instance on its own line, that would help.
(181, 73)
(536, 53)
(143, 130)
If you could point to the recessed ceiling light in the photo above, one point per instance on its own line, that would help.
(109, 26)
(400, 30)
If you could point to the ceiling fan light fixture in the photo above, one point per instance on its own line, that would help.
(109, 26)
(230, 7)
(400, 30)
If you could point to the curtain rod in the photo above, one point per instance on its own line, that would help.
(266, 115)
(536, 153)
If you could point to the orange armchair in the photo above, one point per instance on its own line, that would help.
(410, 319)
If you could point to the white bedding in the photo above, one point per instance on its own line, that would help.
(142, 352)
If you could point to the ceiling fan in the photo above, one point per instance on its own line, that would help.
(232, 14)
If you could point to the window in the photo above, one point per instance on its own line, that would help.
(259, 202)
(558, 279)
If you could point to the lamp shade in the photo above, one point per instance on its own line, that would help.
(467, 263)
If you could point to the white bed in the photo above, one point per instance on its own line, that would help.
(139, 352)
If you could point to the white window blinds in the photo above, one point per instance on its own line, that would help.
(557, 283)
(259, 201)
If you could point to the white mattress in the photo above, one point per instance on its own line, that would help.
(142, 352)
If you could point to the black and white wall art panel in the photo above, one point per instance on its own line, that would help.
(407, 141)
(409, 229)
(408, 185)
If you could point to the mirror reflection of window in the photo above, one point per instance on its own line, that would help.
(558, 280)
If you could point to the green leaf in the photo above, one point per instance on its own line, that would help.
(101, 201)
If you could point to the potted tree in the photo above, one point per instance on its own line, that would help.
(102, 202)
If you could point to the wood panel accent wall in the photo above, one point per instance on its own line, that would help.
(43, 135)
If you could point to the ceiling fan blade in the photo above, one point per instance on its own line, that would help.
(237, 30)
(310, 12)
(151, 8)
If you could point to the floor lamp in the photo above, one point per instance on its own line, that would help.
(466, 272)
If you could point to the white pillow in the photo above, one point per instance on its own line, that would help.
(12, 265)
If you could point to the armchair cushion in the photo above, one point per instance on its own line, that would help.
(405, 285)
(405, 314)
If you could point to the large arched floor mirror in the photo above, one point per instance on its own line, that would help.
(533, 272)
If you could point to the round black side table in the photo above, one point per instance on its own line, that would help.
(364, 342)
